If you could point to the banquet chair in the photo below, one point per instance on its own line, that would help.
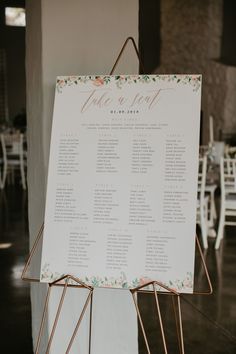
(218, 151)
(203, 150)
(228, 196)
(202, 201)
(210, 188)
(230, 151)
(13, 158)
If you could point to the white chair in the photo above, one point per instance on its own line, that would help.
(203, 150)
(202, 201)
(230, 151)
(212, 215)
(228, 196)
(210, 188)
(13, 158)
(218, 148)
(211, 129)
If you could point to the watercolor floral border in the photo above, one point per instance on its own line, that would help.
(121, 80)
(121, 282)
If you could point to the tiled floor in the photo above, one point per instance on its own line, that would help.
(209, 321)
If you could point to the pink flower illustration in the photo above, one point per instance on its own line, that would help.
(144, 280)
(187, 283)
(98, 81)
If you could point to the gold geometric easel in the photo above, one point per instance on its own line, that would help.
(66, 279)
(156, 294)
(71, 281)
(176, 303)
(65, 282)
(129, 39)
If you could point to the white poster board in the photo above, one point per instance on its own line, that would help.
(122, 183)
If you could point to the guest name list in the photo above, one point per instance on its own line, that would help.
(122, 182)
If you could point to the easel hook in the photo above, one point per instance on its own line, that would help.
(121, 52)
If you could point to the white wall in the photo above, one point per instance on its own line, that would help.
(73, 37)
(84, 37)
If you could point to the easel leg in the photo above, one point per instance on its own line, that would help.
(43, 320)
(160, 320)
(178, 322)
(90, 323)
(180, 325)
(79, 322)
(140, 321)
(57, 316)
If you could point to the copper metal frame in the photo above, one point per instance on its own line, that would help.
(210, 289)
(71, 281)
(176, 303)
(31, 254)
(65, 282)
(129, 39)
(177, 313)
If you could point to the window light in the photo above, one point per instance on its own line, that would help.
(15, 16)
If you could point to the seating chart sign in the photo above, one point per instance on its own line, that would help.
(122, 183)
